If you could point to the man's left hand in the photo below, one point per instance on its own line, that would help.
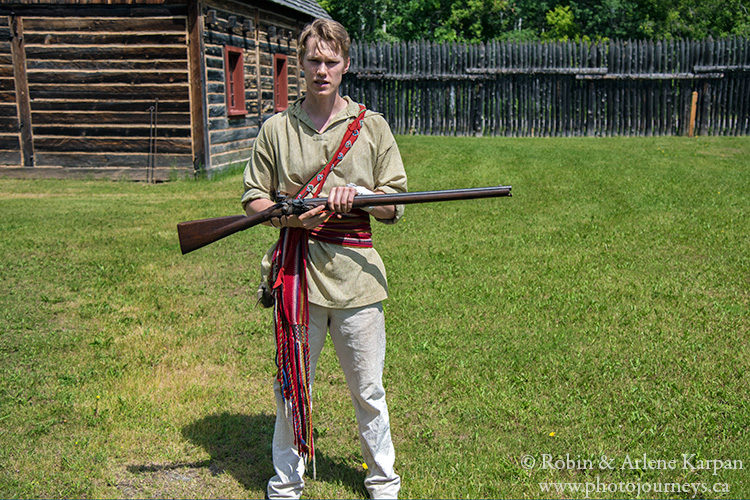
(341, 198)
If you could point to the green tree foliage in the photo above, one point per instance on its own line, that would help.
(561, 24)
(702, 18)
(476, 20)
(365, 21)
(438, 20)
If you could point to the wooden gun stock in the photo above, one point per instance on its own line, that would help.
(199, 233)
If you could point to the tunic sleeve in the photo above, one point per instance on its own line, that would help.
(260, 176)
(390, 176)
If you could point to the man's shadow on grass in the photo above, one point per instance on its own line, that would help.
(241, 446)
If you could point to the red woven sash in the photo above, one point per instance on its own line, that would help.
(351, 230)
(289, 278)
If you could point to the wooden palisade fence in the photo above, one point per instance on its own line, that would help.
(557, 88)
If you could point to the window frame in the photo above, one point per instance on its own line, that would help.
(280, 82)
(234, 80)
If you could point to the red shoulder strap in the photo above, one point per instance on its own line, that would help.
(315, 184)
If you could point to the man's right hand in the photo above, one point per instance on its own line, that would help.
(308, 220)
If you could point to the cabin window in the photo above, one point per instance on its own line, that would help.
(234, 75)
(280, 82)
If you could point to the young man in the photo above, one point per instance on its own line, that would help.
(324, 272)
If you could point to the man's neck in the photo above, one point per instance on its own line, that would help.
(322, 110)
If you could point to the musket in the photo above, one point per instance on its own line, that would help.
(199, 233)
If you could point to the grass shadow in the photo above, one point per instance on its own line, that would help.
(241, 446)
(238, 444)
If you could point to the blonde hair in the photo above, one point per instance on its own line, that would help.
(324, 30)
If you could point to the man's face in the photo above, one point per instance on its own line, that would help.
(323, 67)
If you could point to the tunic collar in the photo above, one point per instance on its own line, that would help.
(350, 111)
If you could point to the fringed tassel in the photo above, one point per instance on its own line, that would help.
(292, 351)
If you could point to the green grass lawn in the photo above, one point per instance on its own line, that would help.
(602, 310)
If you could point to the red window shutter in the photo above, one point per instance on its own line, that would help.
(234, 75)
(280, 82)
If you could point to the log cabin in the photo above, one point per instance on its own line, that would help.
(142, 89)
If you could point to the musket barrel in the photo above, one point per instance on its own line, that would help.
(370, 200)
(428, 196)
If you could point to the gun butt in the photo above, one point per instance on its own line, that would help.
(195, 234)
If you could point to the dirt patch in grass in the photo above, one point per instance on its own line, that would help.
(178, 480)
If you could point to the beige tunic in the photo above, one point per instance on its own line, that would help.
(287, 152)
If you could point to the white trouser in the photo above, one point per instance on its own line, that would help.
(358, 336)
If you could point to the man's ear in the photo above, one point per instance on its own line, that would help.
(348, 63)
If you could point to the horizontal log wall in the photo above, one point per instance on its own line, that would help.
(269, 46)
(556, 89)
(231, 137)
(108, 87)
(10, 139)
